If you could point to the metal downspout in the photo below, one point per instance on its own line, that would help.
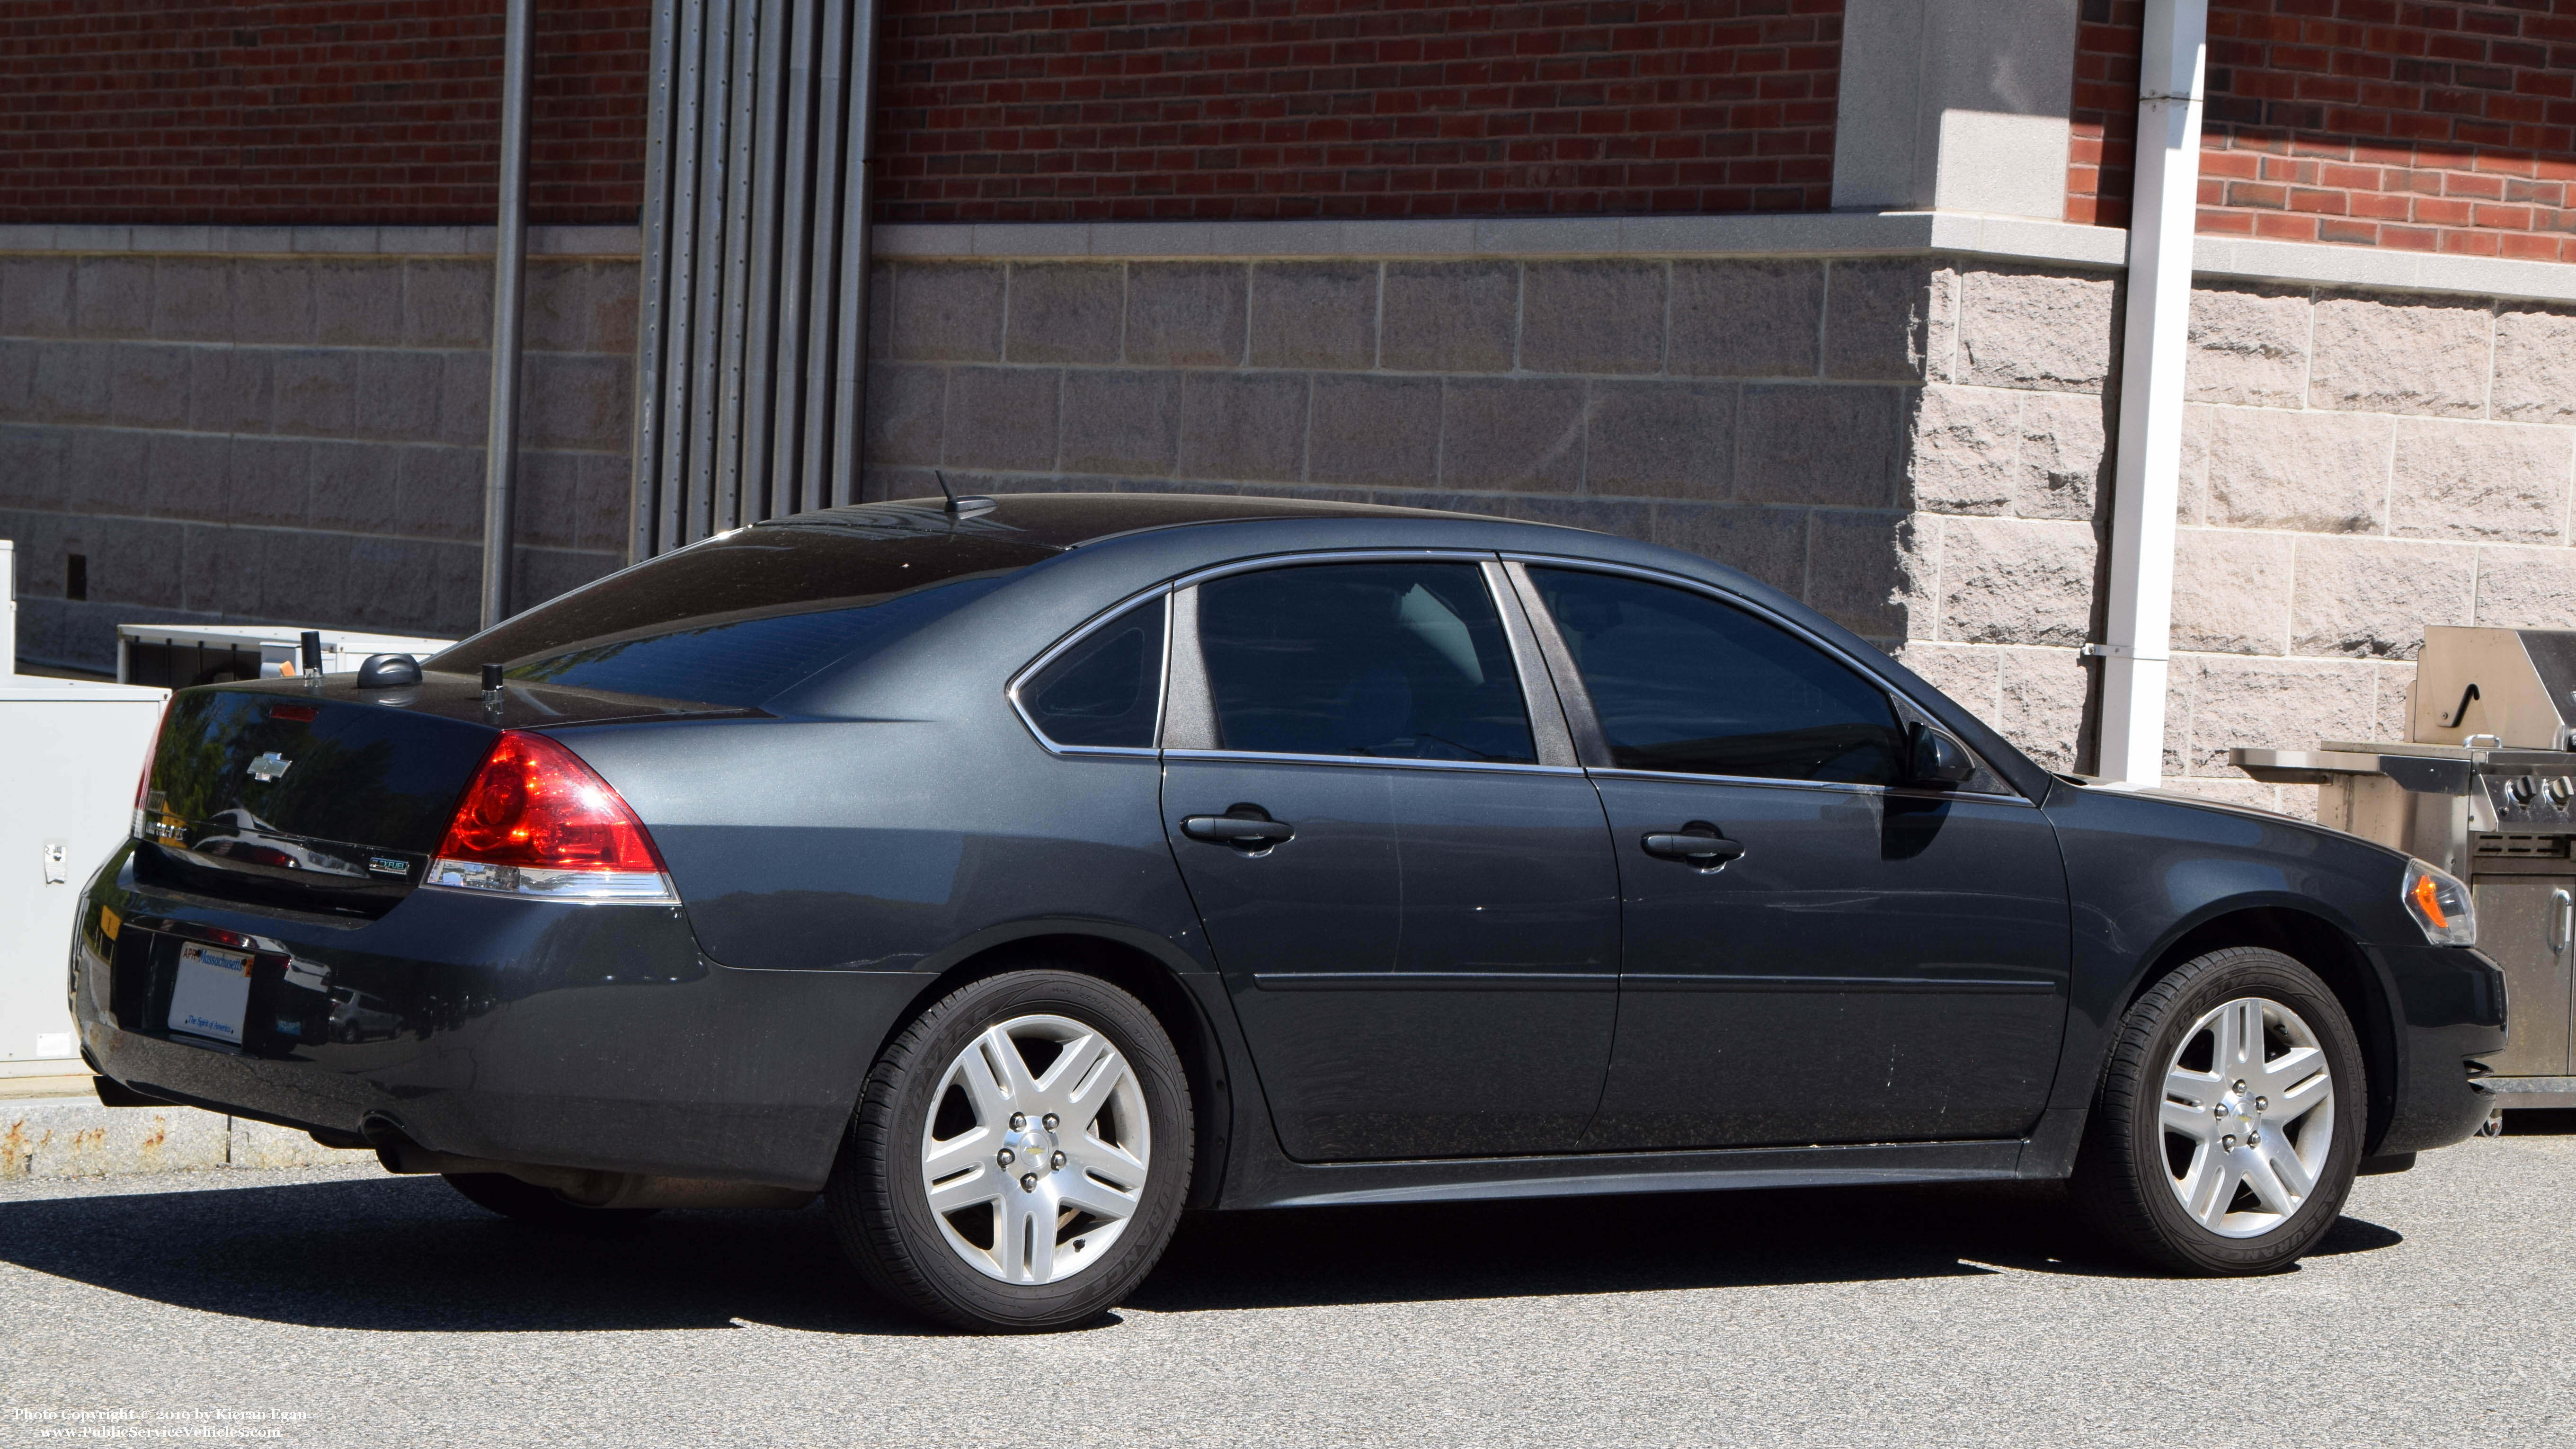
(509, 277)
(2146, 484)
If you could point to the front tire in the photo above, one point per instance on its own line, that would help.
(1019, 1155)
(2227, 1128)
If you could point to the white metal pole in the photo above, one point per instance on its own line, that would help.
(2146, 483)
(509, 274)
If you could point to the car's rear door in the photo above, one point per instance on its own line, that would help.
(1402, 872)
(1844, 959)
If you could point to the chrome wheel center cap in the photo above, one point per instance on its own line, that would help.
(1036, 1149)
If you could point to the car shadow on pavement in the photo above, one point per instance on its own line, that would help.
(409, 1255)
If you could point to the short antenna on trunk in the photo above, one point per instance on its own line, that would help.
(967, 506)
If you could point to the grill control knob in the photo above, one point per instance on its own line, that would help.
(2560, 790)
(2522, 788)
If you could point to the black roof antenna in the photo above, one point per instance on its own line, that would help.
(966, 507)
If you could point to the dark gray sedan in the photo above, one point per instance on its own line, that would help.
(1017, 875)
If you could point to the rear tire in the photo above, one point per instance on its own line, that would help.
(2227, 1128)
(1019, 1155)
(542, 1206)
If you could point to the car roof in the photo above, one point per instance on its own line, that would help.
(1070, 520)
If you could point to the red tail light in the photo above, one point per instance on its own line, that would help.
(539, 822)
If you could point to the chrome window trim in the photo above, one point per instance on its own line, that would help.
(1381, 762)
(1551, 735)
(1057, 650)
(1898, 700)
(1331, 556)
(1911, 792)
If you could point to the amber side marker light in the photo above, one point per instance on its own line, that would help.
(2441, 905)
(539, 823)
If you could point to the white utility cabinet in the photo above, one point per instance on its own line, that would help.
(74, 752)
(178, 655)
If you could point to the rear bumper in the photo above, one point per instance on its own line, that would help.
(2450, 1008)
(578, 1036)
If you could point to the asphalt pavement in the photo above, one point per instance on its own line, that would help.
(327, 1306)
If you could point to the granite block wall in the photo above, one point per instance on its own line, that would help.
(294, 439)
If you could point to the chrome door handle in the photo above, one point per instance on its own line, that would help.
(2562, 921)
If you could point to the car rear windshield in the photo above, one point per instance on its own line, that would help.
(734, 621)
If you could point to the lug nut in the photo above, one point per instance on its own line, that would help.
(2219, 1111)
(2260, 1103)
(1029, 1180)
(1050, 1121)
(1020, 1120)
(1056, 1161)
(1005, 1156)
(2254, 1137)
(2240, 1086)
(2228, 1142)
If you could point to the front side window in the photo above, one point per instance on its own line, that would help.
(1684, 683)
(1104, 691)
(1394, 660)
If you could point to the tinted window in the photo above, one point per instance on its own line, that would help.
(1104, 690)
(1684, 683)
(1402, 660)
(737, 619)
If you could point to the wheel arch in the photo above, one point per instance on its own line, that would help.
(2334, 954)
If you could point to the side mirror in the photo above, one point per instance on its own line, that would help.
(1933, 758)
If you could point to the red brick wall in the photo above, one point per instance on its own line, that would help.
(1037, 110)
(2100, 154)
(319, 111)
(2421, 126)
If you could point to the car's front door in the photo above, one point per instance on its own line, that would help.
(1416, 914)
(1844, 959)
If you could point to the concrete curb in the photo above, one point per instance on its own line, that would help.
(69, 1137)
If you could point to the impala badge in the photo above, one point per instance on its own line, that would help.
(269, 766)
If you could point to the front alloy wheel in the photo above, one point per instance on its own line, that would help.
(2249, 1117)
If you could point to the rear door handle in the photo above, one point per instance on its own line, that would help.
(1235, 830)
(1707, 851)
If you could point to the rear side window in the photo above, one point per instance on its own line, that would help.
(1391, 660)
(736, 620)
(1686, 684)
(1107, 690)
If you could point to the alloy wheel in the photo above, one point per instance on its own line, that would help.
(2248, 1117)
(1037, 1149)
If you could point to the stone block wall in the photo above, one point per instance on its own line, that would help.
(295, 438)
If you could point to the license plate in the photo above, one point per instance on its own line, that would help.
(212, 993)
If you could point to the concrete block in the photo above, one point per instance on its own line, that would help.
(1121, 422)
(33, 465)
(2065, 456)
(83, 1139)
(549, 487)
(192, 299)
(1970, 674)
(603, 509)
(1768, 543)
(1450, 316)
(2526, 588)
(36, 296)
(222, 567)
(360, 303)
(398, 393)
(905, 406)
(2270, 703)
(186, 475)
(228, 389)
(612, 292)
(2231, 591)
(2493, 482)
(1314, 314)
(2042, 693)
(438, 491)
(447, 303)
(2249, 345)
(2307, 471)
(261, 1144)
(18, 378)
(2254, 794)
(112, 297)
(70, 384)
(1372, 431)
(353, 485)
(273, 299)
(1183, 314)
(2191, 492)
(1511, 435)
(2372, 597)
(1001, 417)
(1618, 517)
(1890, 321)
(881, 277)
(1661, 439)
(949, 312)
(544, 573)
(2383, 354)
(1836, 445)
(465, 397)
(2015, 581)
(1247, 426)
(137, 563)
(577, 401)
(2535, 364)
(147, 384)
(391, 579)
(314, 392)
(269, 481)
(558, 308)
(1592, 316)
(2393, 706)
(307, 576)
(1746, 318)
(2050, 332)
(1065, 312)
(110, 472)
(1855, 572)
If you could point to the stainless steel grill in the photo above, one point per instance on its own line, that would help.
(2485, 788)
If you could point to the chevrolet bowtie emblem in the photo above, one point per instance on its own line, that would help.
(269, 766)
